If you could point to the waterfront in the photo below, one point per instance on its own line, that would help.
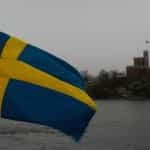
(118, 125)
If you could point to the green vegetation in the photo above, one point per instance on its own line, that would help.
(114, 84)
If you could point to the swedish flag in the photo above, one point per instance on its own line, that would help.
(38, 87)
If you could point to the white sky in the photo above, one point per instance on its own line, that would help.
(90, 34)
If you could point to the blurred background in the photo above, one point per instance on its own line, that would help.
(108, 42)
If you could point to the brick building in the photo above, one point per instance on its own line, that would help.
(140, 68)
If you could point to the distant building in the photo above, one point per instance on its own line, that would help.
(84, 73)
(86, 76)
(140, 67)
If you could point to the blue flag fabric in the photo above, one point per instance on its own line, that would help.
(38, 87)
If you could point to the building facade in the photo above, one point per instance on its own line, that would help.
(140, 68)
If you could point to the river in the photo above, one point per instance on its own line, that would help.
(118, 125)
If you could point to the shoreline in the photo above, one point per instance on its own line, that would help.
(129, 98)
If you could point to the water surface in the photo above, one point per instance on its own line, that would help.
(118, 125)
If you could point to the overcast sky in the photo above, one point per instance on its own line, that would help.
(90, 34)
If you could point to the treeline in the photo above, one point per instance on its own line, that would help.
(115, 84)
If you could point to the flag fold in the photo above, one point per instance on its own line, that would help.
(38, 87)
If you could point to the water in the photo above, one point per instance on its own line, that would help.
(118, 125)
